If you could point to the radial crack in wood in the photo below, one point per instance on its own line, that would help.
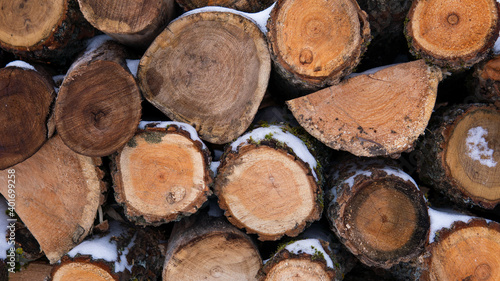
(372, 115)
(209, 70)
(452, 33)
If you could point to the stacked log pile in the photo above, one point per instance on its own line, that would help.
(153, 140)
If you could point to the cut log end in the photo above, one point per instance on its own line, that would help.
(130, 22)
(267, 191)
(380, 114)
(82, 269)
(26, 24)
(385, 232)
(333, 35)
(25, 98)
(92, 119)
(453, 34)
(466, 251)
(472, 154)
(161, 176)
(209, 70)
(299, 269)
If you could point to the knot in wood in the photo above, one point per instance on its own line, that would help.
(306, 56)
(453, 19)
(176, 194)
(216, 271)
(483, 272)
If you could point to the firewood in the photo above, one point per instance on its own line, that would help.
(98, 106)
(452, 34)
(162, 174)
(316, 255)
(377, 211)
(203, 247)
(250, 6)
(26, 97)
(460, 157)
(50, 31)
(268, 182)
(487, 80)
(57, 194)
(209, 70)
(376, 114)
(463, 249)
(133, 23)
(122, 254)
(314, 44)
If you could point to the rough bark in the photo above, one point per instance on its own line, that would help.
(209, 70)
(133, 23)
(315, 44)
(487, 80)
(203, 247)
(58, 205)
(98, 106)
(465, 251)
(379, 114)
(266, 188)
(249, 6)
(26, 98)
(46, 31)
(460, 156)
(378, 212)
(34, 271)
(161, 175)
(452, 34)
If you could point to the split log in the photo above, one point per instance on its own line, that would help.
(162, 174)
(249, 6)
(315, 44)
(268, 182)
(26, 97)
(462, 250)
(57, 205)
(487, 80)
(378, 212)
(43, 30)
(122, 254)
(203, 247)
(460, 157)
(97, 94)
(452, 34)
(133, 23)
(376, 114)
(209, 70)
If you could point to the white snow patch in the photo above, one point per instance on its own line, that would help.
(276, 133)
(165, 124)
(104, 248)
(4, 223)
(58, 78)
(496, 47)
(309, 246)
(477, 147)
(123, 264)
(444, 219)
(20, 64)
(133, 65)
(96, 42)
(259, 18)
(350, 180)
(400, 174)
(213, 166)
(371, 71)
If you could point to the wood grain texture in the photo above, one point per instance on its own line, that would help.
(209, 70)
(372, 115)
